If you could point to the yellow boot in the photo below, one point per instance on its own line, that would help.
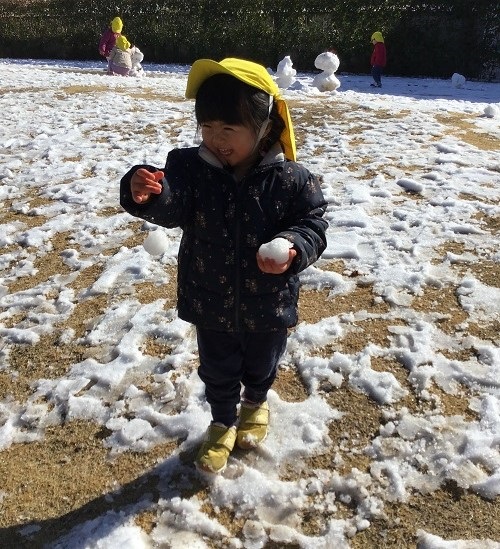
(252, 426)
(214, 452)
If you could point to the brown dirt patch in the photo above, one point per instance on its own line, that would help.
(314, 305)
(450, 513)
(86, 277)
(444, 301)
(490, 223)
(147, 292)
(69, 471)
(289, 385)
(46, 359)
(28, 220)
(145, 94)
(462, 126)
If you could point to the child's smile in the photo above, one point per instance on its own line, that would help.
(233, 144)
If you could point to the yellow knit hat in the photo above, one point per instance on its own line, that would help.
(116, 25)
(253, 74)
(122, 43)
(377, 36)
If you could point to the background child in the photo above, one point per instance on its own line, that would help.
(120, 58)
(378, 58)
(109, 36)
(239, 189)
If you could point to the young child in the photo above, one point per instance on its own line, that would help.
(120, 58)
(378, 59)
(109, 36)
(239, 189)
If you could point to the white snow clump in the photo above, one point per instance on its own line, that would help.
(491, 111)
(156, 242)
(277, 249)
(457, 80)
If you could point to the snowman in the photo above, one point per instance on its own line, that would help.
(285, 73)
(327, 62)
(137, 57)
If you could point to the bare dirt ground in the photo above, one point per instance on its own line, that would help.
(68, 477)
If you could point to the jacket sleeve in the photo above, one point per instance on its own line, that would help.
(167, 209)
(306, 225)
(102, 43)
(106, 43)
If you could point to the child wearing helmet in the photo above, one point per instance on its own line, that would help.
(378, 58)
(239, 189)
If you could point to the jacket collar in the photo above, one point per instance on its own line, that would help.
(273, 156)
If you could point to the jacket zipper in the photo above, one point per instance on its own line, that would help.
(237, 256)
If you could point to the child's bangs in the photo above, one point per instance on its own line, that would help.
(219, 98)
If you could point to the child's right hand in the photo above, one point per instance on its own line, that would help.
(144, 183)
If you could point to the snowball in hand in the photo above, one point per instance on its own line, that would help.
(156, 242)
(277, 249)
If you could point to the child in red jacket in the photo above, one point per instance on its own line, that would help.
(109, 36)
(378, 58)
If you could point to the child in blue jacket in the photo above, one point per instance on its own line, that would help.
(239, 189)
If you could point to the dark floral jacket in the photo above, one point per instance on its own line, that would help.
(224, 221)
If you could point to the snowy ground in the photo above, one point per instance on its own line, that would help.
(412, 176)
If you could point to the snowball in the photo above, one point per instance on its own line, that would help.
(410, 185)
(491, 111)
(156, 243)
(457, 80)
(277, 249)
(135, 429)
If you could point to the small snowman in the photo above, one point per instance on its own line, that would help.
(285, 73)
(327, 62)
(137, 58)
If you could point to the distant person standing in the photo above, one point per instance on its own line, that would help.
(120, 58)
(378, 58)
(109, 36)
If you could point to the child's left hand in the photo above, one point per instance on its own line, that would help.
(270, 266)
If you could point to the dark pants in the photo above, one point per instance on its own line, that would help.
(229, 360)
(376, 74)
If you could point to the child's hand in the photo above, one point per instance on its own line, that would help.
(145, 183)
(268, 265)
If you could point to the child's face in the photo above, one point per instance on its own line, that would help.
(232, 144)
